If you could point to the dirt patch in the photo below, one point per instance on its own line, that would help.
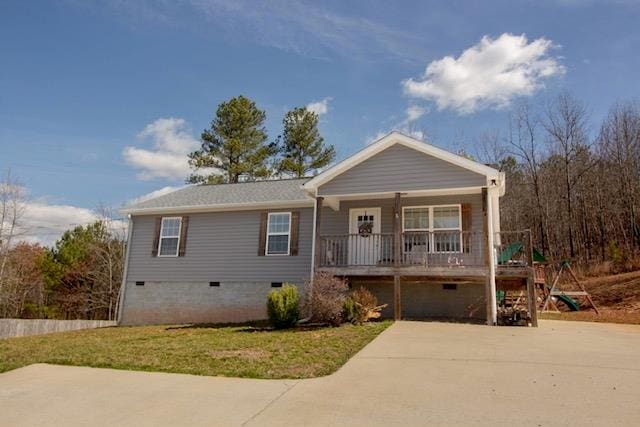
(619, 292)
(246, 354)
(617, 298)
(605, 316)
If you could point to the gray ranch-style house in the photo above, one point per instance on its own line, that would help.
(415, 224)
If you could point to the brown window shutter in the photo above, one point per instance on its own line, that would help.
(466, 227)
(156, 237)
(295, 232)
(184, 227)
(262, 238)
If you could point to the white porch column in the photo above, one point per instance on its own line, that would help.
(492, 196)
(123, 285)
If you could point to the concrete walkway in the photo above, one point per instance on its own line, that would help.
(563, 373)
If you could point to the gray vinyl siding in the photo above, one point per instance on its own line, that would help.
(337, 222)
(399, 168)
(221, 246)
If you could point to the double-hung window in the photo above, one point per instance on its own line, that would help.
(446, 229)
(436, 227)
(416, 225)
(169, 236)
(278, 233)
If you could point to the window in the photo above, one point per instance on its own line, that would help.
(365, 225)
(446, 224)
(169, 236)
(276, 284)
(278, 233)
(446, 217)
(214, 284)
(416, 219)
(442, 225)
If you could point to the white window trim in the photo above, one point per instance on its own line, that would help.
(288, 233)
(169, 237)
(431, 229)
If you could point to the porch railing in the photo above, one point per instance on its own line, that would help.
(443, 248)
(418, 249)
(513, 248)
(342, 250)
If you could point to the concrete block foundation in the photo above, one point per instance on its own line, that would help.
(194, 302)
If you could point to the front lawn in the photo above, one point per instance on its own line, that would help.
(234, 351)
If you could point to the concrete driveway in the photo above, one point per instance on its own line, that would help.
(563, 373)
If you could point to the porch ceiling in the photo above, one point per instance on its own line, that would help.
(333, 201)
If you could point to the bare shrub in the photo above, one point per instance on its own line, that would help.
(326, 300)
(362, 306)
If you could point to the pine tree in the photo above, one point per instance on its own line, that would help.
(235, 145)
(303, 149)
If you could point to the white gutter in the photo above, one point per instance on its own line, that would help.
(223, 207)
(123, 286)
(313, 238)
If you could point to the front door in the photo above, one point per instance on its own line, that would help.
(364, 236)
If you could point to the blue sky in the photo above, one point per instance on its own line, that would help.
(99, 100)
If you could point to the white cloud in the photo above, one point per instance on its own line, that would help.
(489, 74)
(156, 193)
(406, 126)
(414, 133)
(311, 29)
(44, 223)
(171, 144)
(320, 107)
(414, 112)
(304, 27)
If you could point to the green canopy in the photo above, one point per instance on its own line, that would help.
(516, 247)
(538, 257)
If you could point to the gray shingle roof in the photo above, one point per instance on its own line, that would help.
(286, 190)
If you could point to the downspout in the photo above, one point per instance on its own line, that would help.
(492, 255)
(123, 286)
(313, 234)
(313, 257)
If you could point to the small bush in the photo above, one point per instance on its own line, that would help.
(283, 307)
(362, 306)
(616, 256)
(351, 311)
(326, 301)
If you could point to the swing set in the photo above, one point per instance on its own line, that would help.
(558, 293)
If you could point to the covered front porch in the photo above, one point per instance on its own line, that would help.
(417, 242)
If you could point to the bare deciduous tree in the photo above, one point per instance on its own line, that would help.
(12, 208)
(566, 129)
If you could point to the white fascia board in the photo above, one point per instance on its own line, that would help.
(228, 207)
(387, 141)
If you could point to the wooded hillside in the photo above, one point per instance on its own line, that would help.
(579, 195)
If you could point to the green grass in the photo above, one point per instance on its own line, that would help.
(234, 351)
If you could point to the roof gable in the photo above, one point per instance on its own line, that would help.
(392, 139)
(399, 168)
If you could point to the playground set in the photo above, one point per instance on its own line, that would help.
(519, 300)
